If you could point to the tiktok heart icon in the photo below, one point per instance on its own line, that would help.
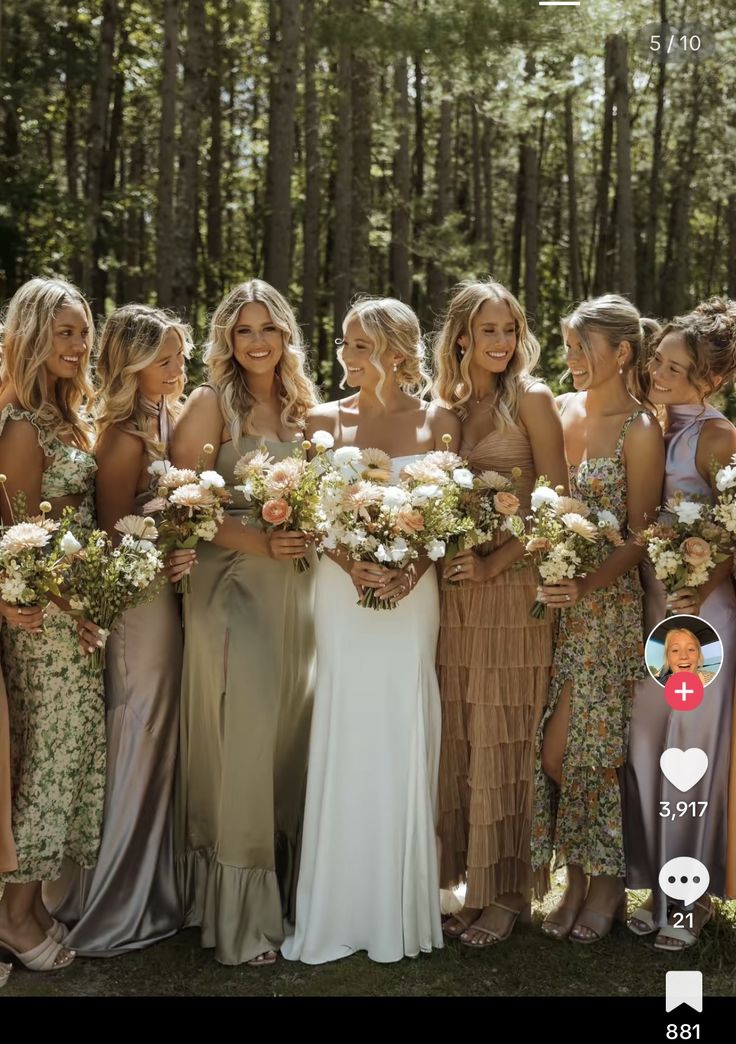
(684, 768)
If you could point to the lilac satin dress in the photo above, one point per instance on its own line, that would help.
(651, 840)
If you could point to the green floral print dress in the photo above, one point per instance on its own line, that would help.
(56, 706)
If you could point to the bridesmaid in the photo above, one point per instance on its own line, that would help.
(494, 658)
(57, 729)
(615, 454)
(249, 648)
(693, 357)
(130, 898)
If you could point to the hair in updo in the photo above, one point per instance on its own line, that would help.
(617, 320)
(709, 333)
(391, 325)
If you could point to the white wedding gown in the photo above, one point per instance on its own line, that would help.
(368, 878)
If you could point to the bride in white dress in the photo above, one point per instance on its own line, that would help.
(368, 878)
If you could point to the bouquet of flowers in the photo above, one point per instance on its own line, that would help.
(724, 512)
(33, 554)
(190, 505)
(567, 538)
(104, 581)
(285, 494)
(685, 549)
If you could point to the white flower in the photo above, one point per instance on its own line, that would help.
(322, 440)
(137, 527)
(607, 519)
(687, 511)
(543, 495)
(346, 455)
(191, 495)
(726, 478)
(492, 480)
(577, 524)
(247, 490)
(428, 491)
(463, 477)
(211, 478)
(382, 554)
(206, 530)
(23, 536)
(69, 544)
(12, 589)
(398, 549)
(159, 467)
(436, 549)
(395, 497)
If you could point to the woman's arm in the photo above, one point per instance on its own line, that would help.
(644, 461)
(21, 461)
(119, 461)
(445, 422)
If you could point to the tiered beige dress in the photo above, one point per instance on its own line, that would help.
(494, 669)
(56, 705)
(245, 716)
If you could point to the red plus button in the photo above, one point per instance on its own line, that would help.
(683, 691)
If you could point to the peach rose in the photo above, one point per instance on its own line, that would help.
(276, 512)
(538, 544)
(695, 551)
(506, 503)
(409, 521)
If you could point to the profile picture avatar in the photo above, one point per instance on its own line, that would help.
(684, 643)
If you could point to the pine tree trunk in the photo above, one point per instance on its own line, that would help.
(362, 117)
(625, 200)
(71, 143)
(648, 285)
(489, 222)
(576, 279)
(310, 261)
(600, 278)
(731, 260)
(436, 274)
(418, 164)
(517, 233)
(165, 251)
(341, 266)
(399, 266)
(186, 274)
(531, 230)
(96, 137)
(281, 129)
(478, 230)
(213, 265)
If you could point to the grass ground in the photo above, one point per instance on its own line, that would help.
(527, 965)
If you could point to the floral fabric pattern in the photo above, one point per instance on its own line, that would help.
(56, 707)
(600, 650)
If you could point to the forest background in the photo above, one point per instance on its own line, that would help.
(164, 150)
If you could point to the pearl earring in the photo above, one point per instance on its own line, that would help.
(396, 366)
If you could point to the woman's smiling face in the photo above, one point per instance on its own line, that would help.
(683, 653)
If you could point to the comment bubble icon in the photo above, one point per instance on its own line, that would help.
(684, 879)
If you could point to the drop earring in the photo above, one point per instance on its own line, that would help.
(396, 366)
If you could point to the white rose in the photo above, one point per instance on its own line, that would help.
(463, 477)
(322, 440)
(159, 467)
(69, 544)
(382, 554)
(606, 519)
(436, 549)
(688, 511)
(398, 549)
(543, 495)
(394, 497)
(428, 491)
(346, 455)
(726, 478)
(211, 479)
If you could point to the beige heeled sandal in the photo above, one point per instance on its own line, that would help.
(597, 922)
(523, 915)
(49, 955)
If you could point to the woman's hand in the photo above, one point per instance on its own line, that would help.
(178, 563)
(90, 636)
(399, 583)
(467, 565)
(368, 574)
(686, 600)
(28, 617)
(564, 595)
(286, 545)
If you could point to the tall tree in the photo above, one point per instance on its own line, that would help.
(436, 270)
(731, 265)
(165, 251)
(531, 229)
(648, 281)
(360, 221)
(282, 103)
(341, 240)
(312, 184)
(213, 264)
(603, 192)
(624, 193)
(576, 279)
(400, 269)
(186, 273)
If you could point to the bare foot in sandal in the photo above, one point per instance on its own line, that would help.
(269, 957)
(460, 922)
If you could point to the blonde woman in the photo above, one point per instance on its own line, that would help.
(615, 455)
(494, 658)
(694, 356)
(57, 726)
(130, 899)
(368, 876)
(683, 652)
(249, 650)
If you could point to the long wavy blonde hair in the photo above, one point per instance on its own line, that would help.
(27, 338)
(297, 393)
(130, 340)
(391, 325)
(453, 386)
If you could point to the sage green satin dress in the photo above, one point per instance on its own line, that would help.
(244, 734)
